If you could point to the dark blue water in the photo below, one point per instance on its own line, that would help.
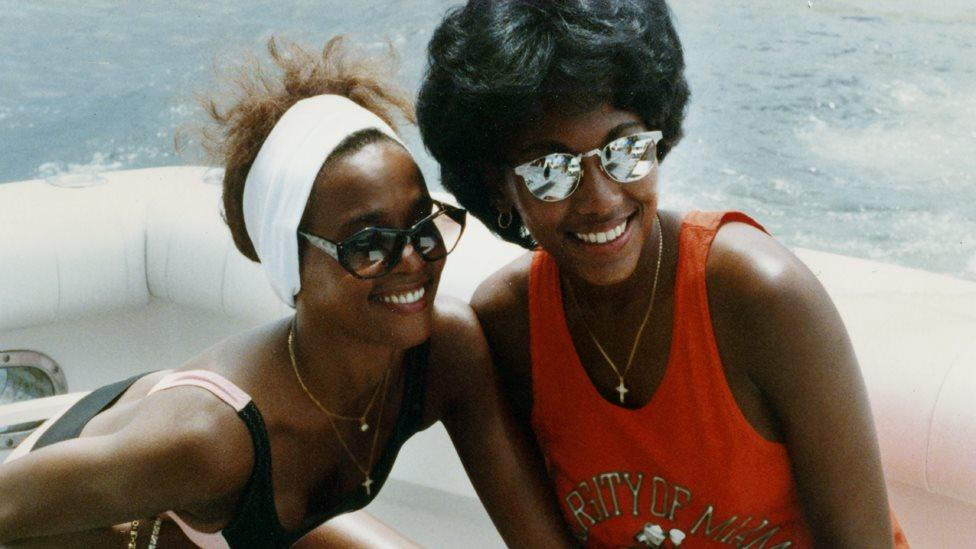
(842, 126)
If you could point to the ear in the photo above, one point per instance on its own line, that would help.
(496, 178)
(502, 203)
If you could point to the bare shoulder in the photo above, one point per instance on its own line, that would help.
(501, 303)
(452, 318)
(775, 325)
(505, 289)
(456, 332)
(470, 342)
(750, 270)
(459, 357)
(189, 429)
(204, 429)
(759, 291)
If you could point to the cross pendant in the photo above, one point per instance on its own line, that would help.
(366, 484)
(622, 390)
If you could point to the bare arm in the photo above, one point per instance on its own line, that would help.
(497, 452)
(775, 322)
(170, 537)
(167, 457)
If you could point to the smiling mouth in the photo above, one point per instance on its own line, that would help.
(403, 298)
(603, 237)
(407, 299)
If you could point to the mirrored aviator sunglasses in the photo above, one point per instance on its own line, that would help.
(375, 251)
(555, 176)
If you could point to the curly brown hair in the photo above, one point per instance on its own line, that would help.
(252, 101)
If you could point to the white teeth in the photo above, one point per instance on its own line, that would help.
(604, 237)
(404, 298)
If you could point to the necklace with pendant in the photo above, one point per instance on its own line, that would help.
(363, 424)
(331, 416)
(622, 389)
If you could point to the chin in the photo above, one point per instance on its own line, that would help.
(400, 324)
(605, 270)
(407, 335)
(399, 330)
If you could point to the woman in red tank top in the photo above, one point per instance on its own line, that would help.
(688, 380)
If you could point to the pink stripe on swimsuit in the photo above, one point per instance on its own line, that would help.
(229, 393)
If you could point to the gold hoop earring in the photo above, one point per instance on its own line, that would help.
(507, 217)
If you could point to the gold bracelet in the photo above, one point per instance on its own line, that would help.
(133, 533)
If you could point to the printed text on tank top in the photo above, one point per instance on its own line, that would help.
(636, 476)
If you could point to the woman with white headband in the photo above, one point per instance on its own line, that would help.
(265, 436)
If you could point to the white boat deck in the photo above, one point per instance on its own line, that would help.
(435, 518)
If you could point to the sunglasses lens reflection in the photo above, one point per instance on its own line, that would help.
(552, 177)
(629, 158)
(369, 254)
(377, 251)
(625, 160)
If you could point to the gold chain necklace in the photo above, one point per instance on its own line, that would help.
(363, 425)
(622, 388)
(367, 480)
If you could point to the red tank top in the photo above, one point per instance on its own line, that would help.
(686, 469)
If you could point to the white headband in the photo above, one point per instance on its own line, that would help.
(280, 180)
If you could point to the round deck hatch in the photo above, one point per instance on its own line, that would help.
(26, 375)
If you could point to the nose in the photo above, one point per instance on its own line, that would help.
(597, 194)
(410, 260)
